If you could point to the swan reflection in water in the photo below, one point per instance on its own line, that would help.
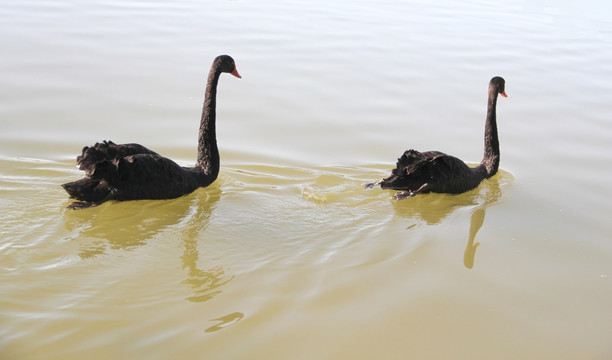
(433, 208)
(127, 225)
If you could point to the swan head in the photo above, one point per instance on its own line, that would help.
(225, 63)
(498, 86)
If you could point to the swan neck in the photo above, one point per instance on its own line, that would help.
(208, 153)
(490, 159)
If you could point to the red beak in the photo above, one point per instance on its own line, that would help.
(235, 73)
(503, 93)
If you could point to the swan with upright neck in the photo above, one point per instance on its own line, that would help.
(131, 171)
(433, 171)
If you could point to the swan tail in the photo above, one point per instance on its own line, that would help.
(88, 189)
(372, 184)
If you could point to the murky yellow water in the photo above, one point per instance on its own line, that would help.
(286, 256)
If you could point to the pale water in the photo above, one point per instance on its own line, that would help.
(287, 256)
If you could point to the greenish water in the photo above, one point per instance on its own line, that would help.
(287, 255)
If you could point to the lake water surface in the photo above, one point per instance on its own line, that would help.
(286, 255)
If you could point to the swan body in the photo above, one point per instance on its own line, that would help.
(433, 171)
(131, 171)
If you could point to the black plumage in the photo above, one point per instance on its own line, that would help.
(433, 171)
(131, 171)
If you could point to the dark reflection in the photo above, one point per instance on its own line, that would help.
(205, 284)
(476, 222)
(433, 208)
(129, 224)
(225, 321)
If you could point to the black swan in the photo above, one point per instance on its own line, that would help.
(433, 171)
(131, 171)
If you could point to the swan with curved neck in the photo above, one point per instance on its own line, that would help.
(131, 171)
(433, 171)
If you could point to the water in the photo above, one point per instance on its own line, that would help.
(286, 255)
